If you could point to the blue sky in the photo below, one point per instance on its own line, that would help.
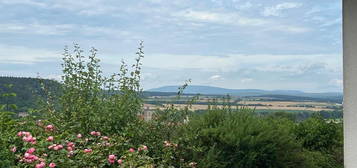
(260, 44)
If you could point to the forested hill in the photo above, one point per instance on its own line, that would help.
(27, 90)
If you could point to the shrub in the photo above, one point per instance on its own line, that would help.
(237, 138)
(47, 144)
(324, 137)
(7, 129)
(90, 100)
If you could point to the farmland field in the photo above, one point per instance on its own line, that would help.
(259, 105)
(317, 106)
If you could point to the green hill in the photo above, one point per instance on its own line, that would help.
(28, 91)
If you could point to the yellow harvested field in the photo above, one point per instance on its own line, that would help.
(265, 105)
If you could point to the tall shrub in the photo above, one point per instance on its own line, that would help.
(229, 138)
(91, 101)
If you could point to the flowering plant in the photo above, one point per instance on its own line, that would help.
(52, 148)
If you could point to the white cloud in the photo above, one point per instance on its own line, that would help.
(246, 80)
(287, 28)
(155, 1)
(25, 55)
(332, 22)
(83, 7)
(234, 62)
(63, 29)
(245, 6)
(106, 31)
(219, 18)
(277, 9)
(336, 82)
(313, 11)
(216, 77)
(23, 2)
(35, 28)
(235, 19)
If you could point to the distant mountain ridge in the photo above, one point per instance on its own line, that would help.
(211, 90)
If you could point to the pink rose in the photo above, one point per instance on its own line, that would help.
(19, 134)
(79, 135)
(120, 161)
(29, 158)
(49, 128)
(131, 150)
(27, 155)
(143, 147)
(87, 150)
(60, 146)
(111, 161)
(26, 133)
(105, 138)
(70, 144)
(112, 157)
(41, 165)
(50, 138)
(93, 133)
(69, 148)
(27, 138)
(30, 139)
(51, 146)
(31, 150)
(52, 165)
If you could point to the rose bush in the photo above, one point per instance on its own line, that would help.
(47, 146)
(44, 145)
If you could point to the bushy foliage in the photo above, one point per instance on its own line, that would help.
(237, 138)
(92, 101)
(324, 138)
(7, 129)
(47, 144)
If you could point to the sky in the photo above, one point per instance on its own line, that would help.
(238, 44)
